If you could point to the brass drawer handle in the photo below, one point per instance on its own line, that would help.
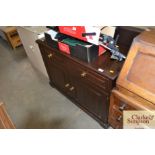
(119, 118)
(72, 88)
(67, 85)
(83, 74)
(122, 107)
(50, 55)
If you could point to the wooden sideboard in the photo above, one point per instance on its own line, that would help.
(82, 82)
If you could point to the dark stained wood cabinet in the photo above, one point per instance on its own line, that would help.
(82, 82)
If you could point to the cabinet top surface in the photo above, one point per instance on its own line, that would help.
(103, 65)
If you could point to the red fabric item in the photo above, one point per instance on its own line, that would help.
(63, 47)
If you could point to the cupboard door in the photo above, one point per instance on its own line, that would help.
(97, 103)
(58, 76)
(55, 68)
(88, 94)
(93, 100)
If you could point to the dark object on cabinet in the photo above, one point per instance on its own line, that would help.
(76, 48)
(5, 121)
(126, 34)
(87, 84)
(136, 82)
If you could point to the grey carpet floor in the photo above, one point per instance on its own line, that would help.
(29, 99)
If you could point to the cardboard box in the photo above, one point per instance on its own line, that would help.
(76, 48)
(89, 34)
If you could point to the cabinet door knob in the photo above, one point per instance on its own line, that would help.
(83, 74)
(119, 118)
(72, 88)
(67, 85)
(50, 55)
(122, 107)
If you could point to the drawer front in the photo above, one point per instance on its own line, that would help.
(54, 57)
(117, 106)
(88, 77)
(119, 102)
(98, 80)
(116, 118)
(120, 105)
(117, 115)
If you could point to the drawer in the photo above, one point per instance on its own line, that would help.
(117, 105)
(88, 77)
(116, 118)
(120, 105)
(54, 57)
(97, 80)
(119, 102)
(116, 115)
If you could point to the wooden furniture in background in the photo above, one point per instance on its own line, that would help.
(121, 100)
(5, 121)
(136, 82)
(126, 34)
(82, 82)
(12, 36)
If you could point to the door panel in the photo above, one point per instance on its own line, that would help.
(92, 99)
(58, 76)
(89, 94)
(56, 71)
